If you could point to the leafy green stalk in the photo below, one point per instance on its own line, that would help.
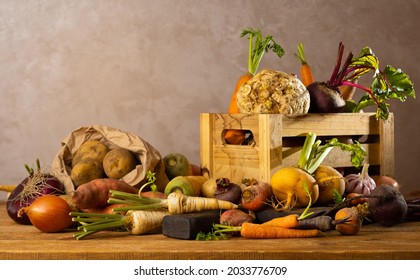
(92, 223)
(301, 54)
(258, 46)
(151, 178)
(313, 153)
(136, 201)
(305, 214)
(308, 147)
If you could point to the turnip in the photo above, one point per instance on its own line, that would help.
(330, 183)
(389, 83)
(289, 183)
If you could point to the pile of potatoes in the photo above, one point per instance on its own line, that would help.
(94, 160)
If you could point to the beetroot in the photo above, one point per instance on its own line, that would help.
(389, 83)
(387, 206)
(325, 99)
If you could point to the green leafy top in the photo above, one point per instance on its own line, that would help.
(258, 46)
(389, 83)
(313, 153)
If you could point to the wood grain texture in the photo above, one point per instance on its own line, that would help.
(18, 242)
(278, 138)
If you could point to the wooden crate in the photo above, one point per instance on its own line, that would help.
(277, 142)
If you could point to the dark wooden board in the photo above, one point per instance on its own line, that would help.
(187, 226)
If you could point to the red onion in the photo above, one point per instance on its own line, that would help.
(387, 206)
(360, 183)
(37, 184)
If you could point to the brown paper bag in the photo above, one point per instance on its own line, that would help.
(146, 154)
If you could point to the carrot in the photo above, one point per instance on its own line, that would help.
(306, 74)
(257, 47)
(233, 107)
(295, 221)
(95, 193)
(321, 223)
(289, 221)
(134, 222)
(257, 231)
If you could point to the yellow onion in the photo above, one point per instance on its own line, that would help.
(49, 213)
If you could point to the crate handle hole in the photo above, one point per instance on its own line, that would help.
(241, 137)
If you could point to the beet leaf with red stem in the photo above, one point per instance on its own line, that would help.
(389, 83)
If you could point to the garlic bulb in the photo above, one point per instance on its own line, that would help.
(360, 183)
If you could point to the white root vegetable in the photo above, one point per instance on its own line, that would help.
(135, 222)
(144, 221)
(178, 203)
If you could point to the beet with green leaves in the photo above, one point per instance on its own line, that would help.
(389, 83)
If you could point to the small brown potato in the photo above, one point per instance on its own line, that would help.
(86, 170)
(93, 149)
(119, 162)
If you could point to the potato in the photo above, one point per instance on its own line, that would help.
(93, 149)
(119, 162)
(86, 170)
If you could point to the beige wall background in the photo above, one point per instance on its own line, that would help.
(151, 67)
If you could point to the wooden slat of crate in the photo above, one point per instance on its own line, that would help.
(268, 152)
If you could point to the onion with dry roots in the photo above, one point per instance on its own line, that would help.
(273, 92)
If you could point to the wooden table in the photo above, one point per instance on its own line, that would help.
(19, 242)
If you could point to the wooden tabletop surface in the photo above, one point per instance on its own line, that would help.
(373, 242)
